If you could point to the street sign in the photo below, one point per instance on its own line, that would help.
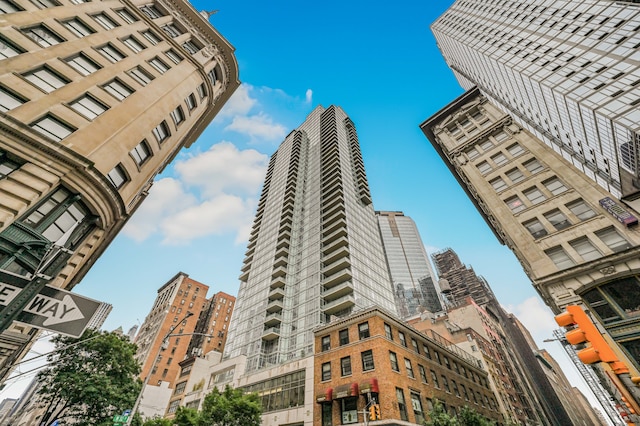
(52, 309)
(120, 418)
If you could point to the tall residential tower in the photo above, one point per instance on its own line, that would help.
(315, 251)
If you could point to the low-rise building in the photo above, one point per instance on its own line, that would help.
(372, 358)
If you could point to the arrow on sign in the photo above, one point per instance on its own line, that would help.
(55, 311)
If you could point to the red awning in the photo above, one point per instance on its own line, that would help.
(325, 396)
(345, 391)
(369, 386)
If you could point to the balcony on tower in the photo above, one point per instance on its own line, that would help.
(337, 291)
(271, 333)
(273, 319)
(275, 306)
(338, 305)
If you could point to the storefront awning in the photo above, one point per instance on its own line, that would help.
(345, 391)
(369, 386)
(325, 396)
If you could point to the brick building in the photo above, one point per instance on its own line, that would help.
(372, 357)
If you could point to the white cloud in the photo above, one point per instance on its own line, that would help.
(240, 103)
(308, 96)
(166, 197)
(224, 168)
(259, 126)
(213, 194)
(219, 215)
(536, 317)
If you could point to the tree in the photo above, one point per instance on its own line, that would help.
(230, 408)
(466, 417)
(89, 379)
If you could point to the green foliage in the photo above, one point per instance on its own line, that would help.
(158, 422)
(90, 379)
(466, 417)
(186, 417)
(230, 408)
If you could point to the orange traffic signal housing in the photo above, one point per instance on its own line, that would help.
(586, 331)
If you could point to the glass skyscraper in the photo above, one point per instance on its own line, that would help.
(411, 272)
(566, 71)
(315, 252)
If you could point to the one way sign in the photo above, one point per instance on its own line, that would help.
(52, 309)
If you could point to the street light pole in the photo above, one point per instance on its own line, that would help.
(163, 345)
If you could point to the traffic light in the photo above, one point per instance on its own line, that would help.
(586, 331)
(374, 412)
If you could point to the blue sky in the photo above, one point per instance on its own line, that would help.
(379, 62)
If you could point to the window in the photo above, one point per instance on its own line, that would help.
(8, 6)
(173, 55)
(78, 28)
(402, 406)
(585, 249)
(173, 406)
(436, 355)
(416, 404)
(434, 379)
(82, 64)
(367, 360)
(153, 39)
(7, 48)
(177, 115)
(415, 345)
(327, 414)
(326, 343)
(394, 361)
(535, 228)
(214, 75)
(141, 152)
(46, 79)
(343, 336)
(117, 89)
(446, 362)
(326, 371)
(111, 53)
(484, 167)
(88, 106)
(403, 339)
(554, 186)
(387, 331)
(454, 385)
(44, 4)
(426, 351)
(559, 257)
(363, 330)
(612, 239)
(499, 159)
(557, 219)
(104, 20)
(464, 392)
(486, 145)
(180, 387)
(534, 195)
(159, 65)
(202, 91)
(161, 132)
(423, 373)
(345, 366)
(191, 102)
(533, 166)
(9, 100)
(117, 176)
(42, 35)
(473, 154)
(409, 367)
(171, 30)
(515, 175)
(191, 47)
(445, 383)
(515, 150)
(515, 204)
(152, 11)
(498, 184)
(52, 127)
(133, 44)
(581, 210)
(126, 16)
(140, 75)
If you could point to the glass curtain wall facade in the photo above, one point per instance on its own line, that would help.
(411, 272)
(315, 252)
(567, 72)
